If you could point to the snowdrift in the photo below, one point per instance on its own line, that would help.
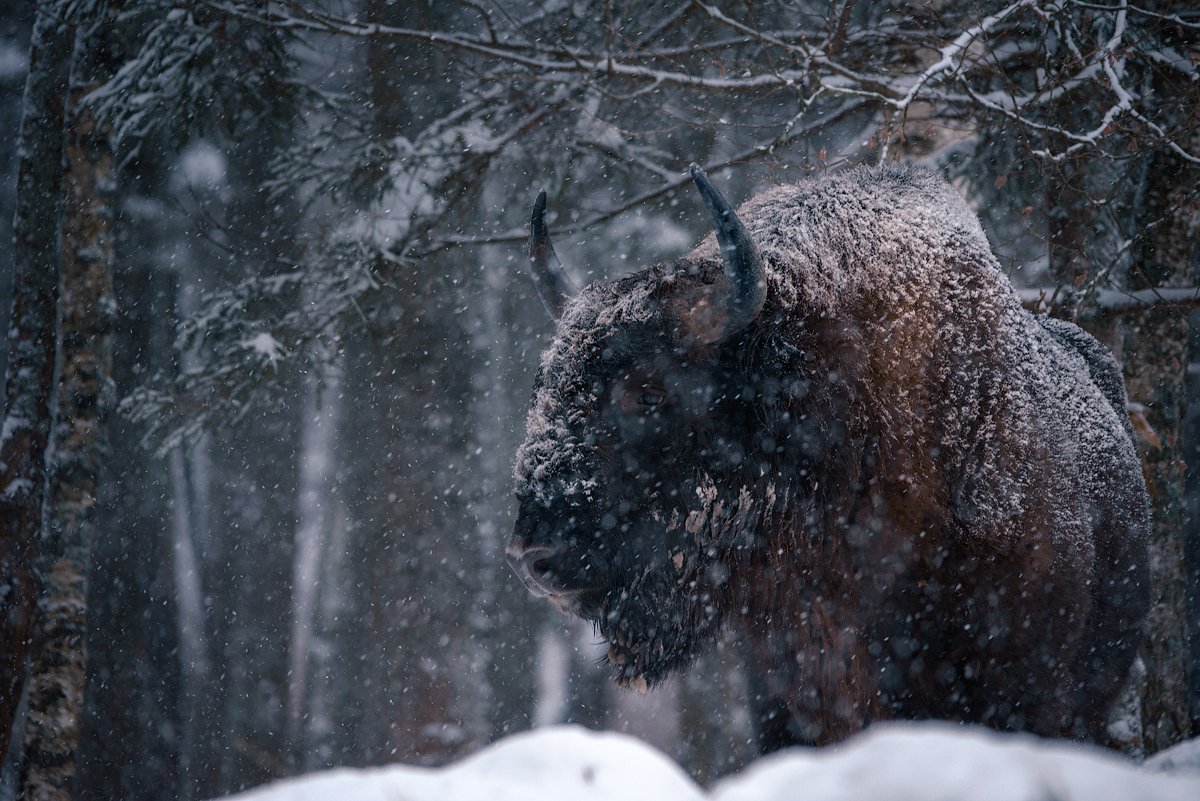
(891, 762)
(941, 762)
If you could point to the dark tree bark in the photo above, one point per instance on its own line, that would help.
(29, 379)
(411, 702)
(78, 443)
(133, 725)
(411, 686)
(1155, 358)
(16, 26)
(1191, 555)
(1091, 206)
(254, 485)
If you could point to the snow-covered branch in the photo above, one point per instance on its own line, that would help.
(797, 86)
(1115, 300)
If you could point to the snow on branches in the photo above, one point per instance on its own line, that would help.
(418, 167)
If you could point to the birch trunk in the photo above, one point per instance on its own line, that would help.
(194, 664)
(316, 503)
(190, 538)
(325, 730)
(79, 444)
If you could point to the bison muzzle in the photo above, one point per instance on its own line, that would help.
(833, 427)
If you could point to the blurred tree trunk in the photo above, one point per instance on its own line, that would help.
(194, 664)
(134, 713)
(1085, 201)
(1074, 249)
(413, 552)
(411, 547)
(329, 696)
(1191, 555)
(505, 624)
(248, 570)
(191, 535)
(250, 575)
(316, 501)
(29, 379)
(1155, 359)
(16, 26)
(86, 311)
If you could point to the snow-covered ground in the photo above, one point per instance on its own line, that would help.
(891, 762)
(550, 764)
(941, 762)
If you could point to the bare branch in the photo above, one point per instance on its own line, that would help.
(1116, 300)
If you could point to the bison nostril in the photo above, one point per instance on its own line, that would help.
(535, 567)
(539, 566)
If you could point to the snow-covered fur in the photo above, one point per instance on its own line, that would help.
(911, 496)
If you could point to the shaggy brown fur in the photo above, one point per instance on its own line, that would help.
(913, 498)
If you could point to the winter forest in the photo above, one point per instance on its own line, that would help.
(273, 336)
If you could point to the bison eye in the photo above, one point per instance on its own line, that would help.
(639, 396)
(652, 396)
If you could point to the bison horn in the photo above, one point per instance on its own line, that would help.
(553, 284)
(743, 267)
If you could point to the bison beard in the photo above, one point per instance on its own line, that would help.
(833, 428)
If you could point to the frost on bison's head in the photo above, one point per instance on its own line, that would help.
(833, 426)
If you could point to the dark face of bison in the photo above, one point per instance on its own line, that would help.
(607, 479)
(642, 472)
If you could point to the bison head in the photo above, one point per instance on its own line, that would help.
(646, 465)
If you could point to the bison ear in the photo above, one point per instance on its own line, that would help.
(737, 300)
(553, 284)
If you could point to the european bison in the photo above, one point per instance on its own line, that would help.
(833, 426)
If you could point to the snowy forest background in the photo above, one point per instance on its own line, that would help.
(296, 335)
